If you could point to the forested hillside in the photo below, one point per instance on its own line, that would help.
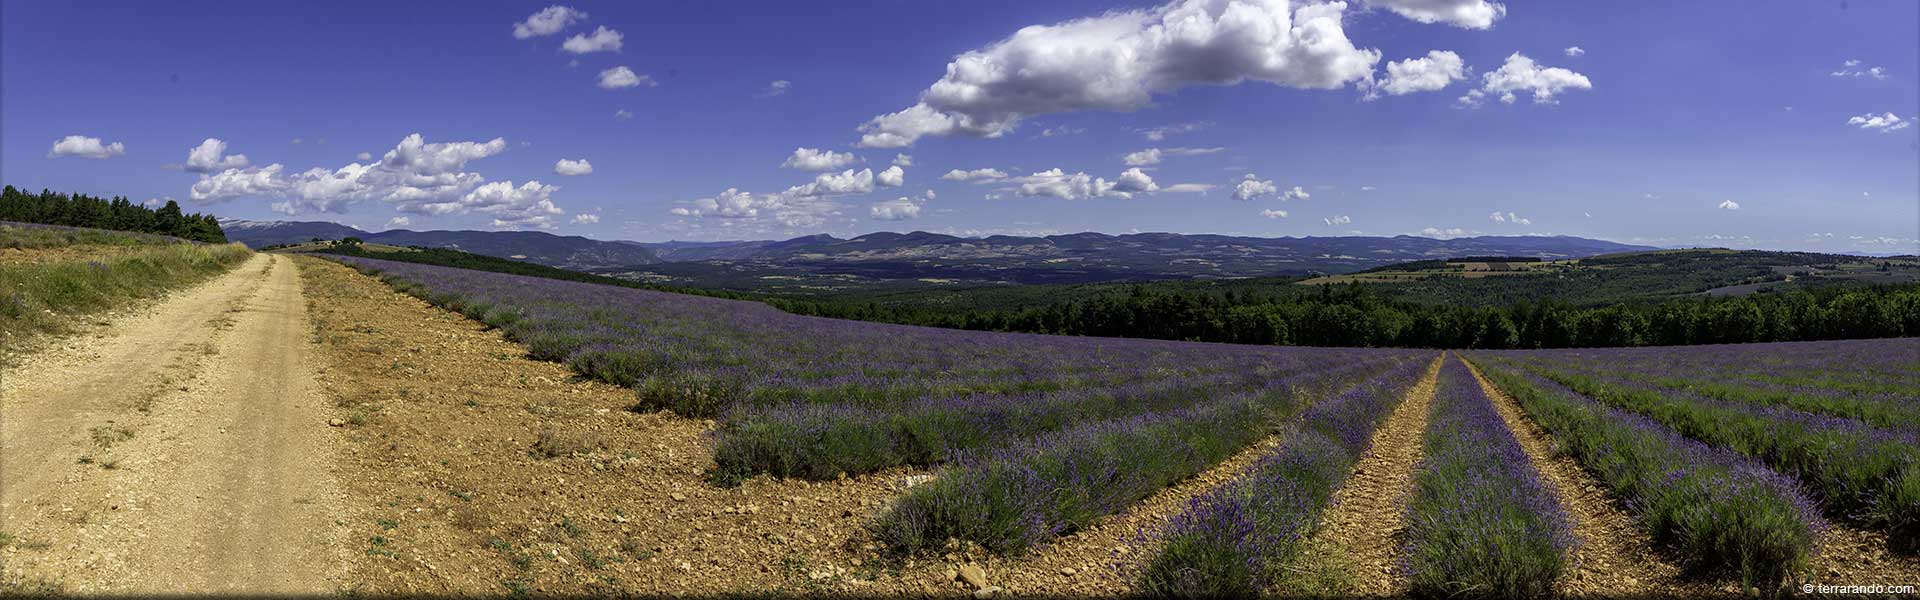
(118, 213)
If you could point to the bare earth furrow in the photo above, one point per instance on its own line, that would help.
(1366, 525)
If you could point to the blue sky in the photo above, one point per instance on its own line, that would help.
(1746, 124)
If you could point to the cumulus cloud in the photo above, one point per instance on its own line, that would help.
(1339, 220)
(893, 176)
(601, 40)
(623, 77)
(364, 156)
(622, 114)
(81, 146)
(902, 160)
(1119, 60)
(1252, 186)
(1056, 183)
(1273, 214)
(1469, 14)
(416, 176)
(398, 222)
(814, 159)
(1434, 72)
(1883, 123)
(894, 210)
(1295, 194)
(778, 87)
(572, 167)
(211, 155)
(1729, 205)
(788, 208)
(1134, 180)
(1522, 74)
(548, 21)
(976, 175)
(1852, 68)
(1509, 217)
(1445, 234)
(584, 219)
(834, 184)
(1575, 51)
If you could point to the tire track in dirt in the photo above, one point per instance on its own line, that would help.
(1614, 556)
(221, 484)
(1366, 526)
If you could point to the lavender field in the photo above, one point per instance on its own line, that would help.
(1737, 463)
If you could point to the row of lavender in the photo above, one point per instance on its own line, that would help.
(1715, 510)
(811, 397)
(1242, 537)
(1855, 452)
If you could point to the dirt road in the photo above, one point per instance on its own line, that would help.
(181, 449)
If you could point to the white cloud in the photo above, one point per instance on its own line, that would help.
(1340, 220)
(85, 147)
(584, 219)
(1134, 180)
(548, 21)
(894, 210)
(297, 141)
(1575, 51)
(1188, 188)
(623, 77)
(813, 159)
(236, 183)
(1522, 74)
(902, 160)
(1273, 214)
(1366, 188)
(622, 114)
(1729, 205)
(1884, 123)
(1852, 68)
(529, 205)
(1436, 71)
(1080, 186)
(1509, 217)
(976, 175)
(364, 156)
(572, 167)
(1295, 194)
(834, 184)
(1155, 134)
(1152, 156)
(398, 222)
(415, 176)
(211, 155)
(1252, 187)
(893, 176)
(1469, 14)
(778, 87)
(1445, 234)
(1118, 61)
(602, 40)
(788, 208)
(1060, 130)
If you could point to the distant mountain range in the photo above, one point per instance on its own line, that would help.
(1080, 257)
(566, 252)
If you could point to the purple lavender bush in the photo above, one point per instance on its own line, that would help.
(1238, 539)
(1480, 521)
(1716, 510)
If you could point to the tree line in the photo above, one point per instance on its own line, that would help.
(118, 213)
(1353, 315)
